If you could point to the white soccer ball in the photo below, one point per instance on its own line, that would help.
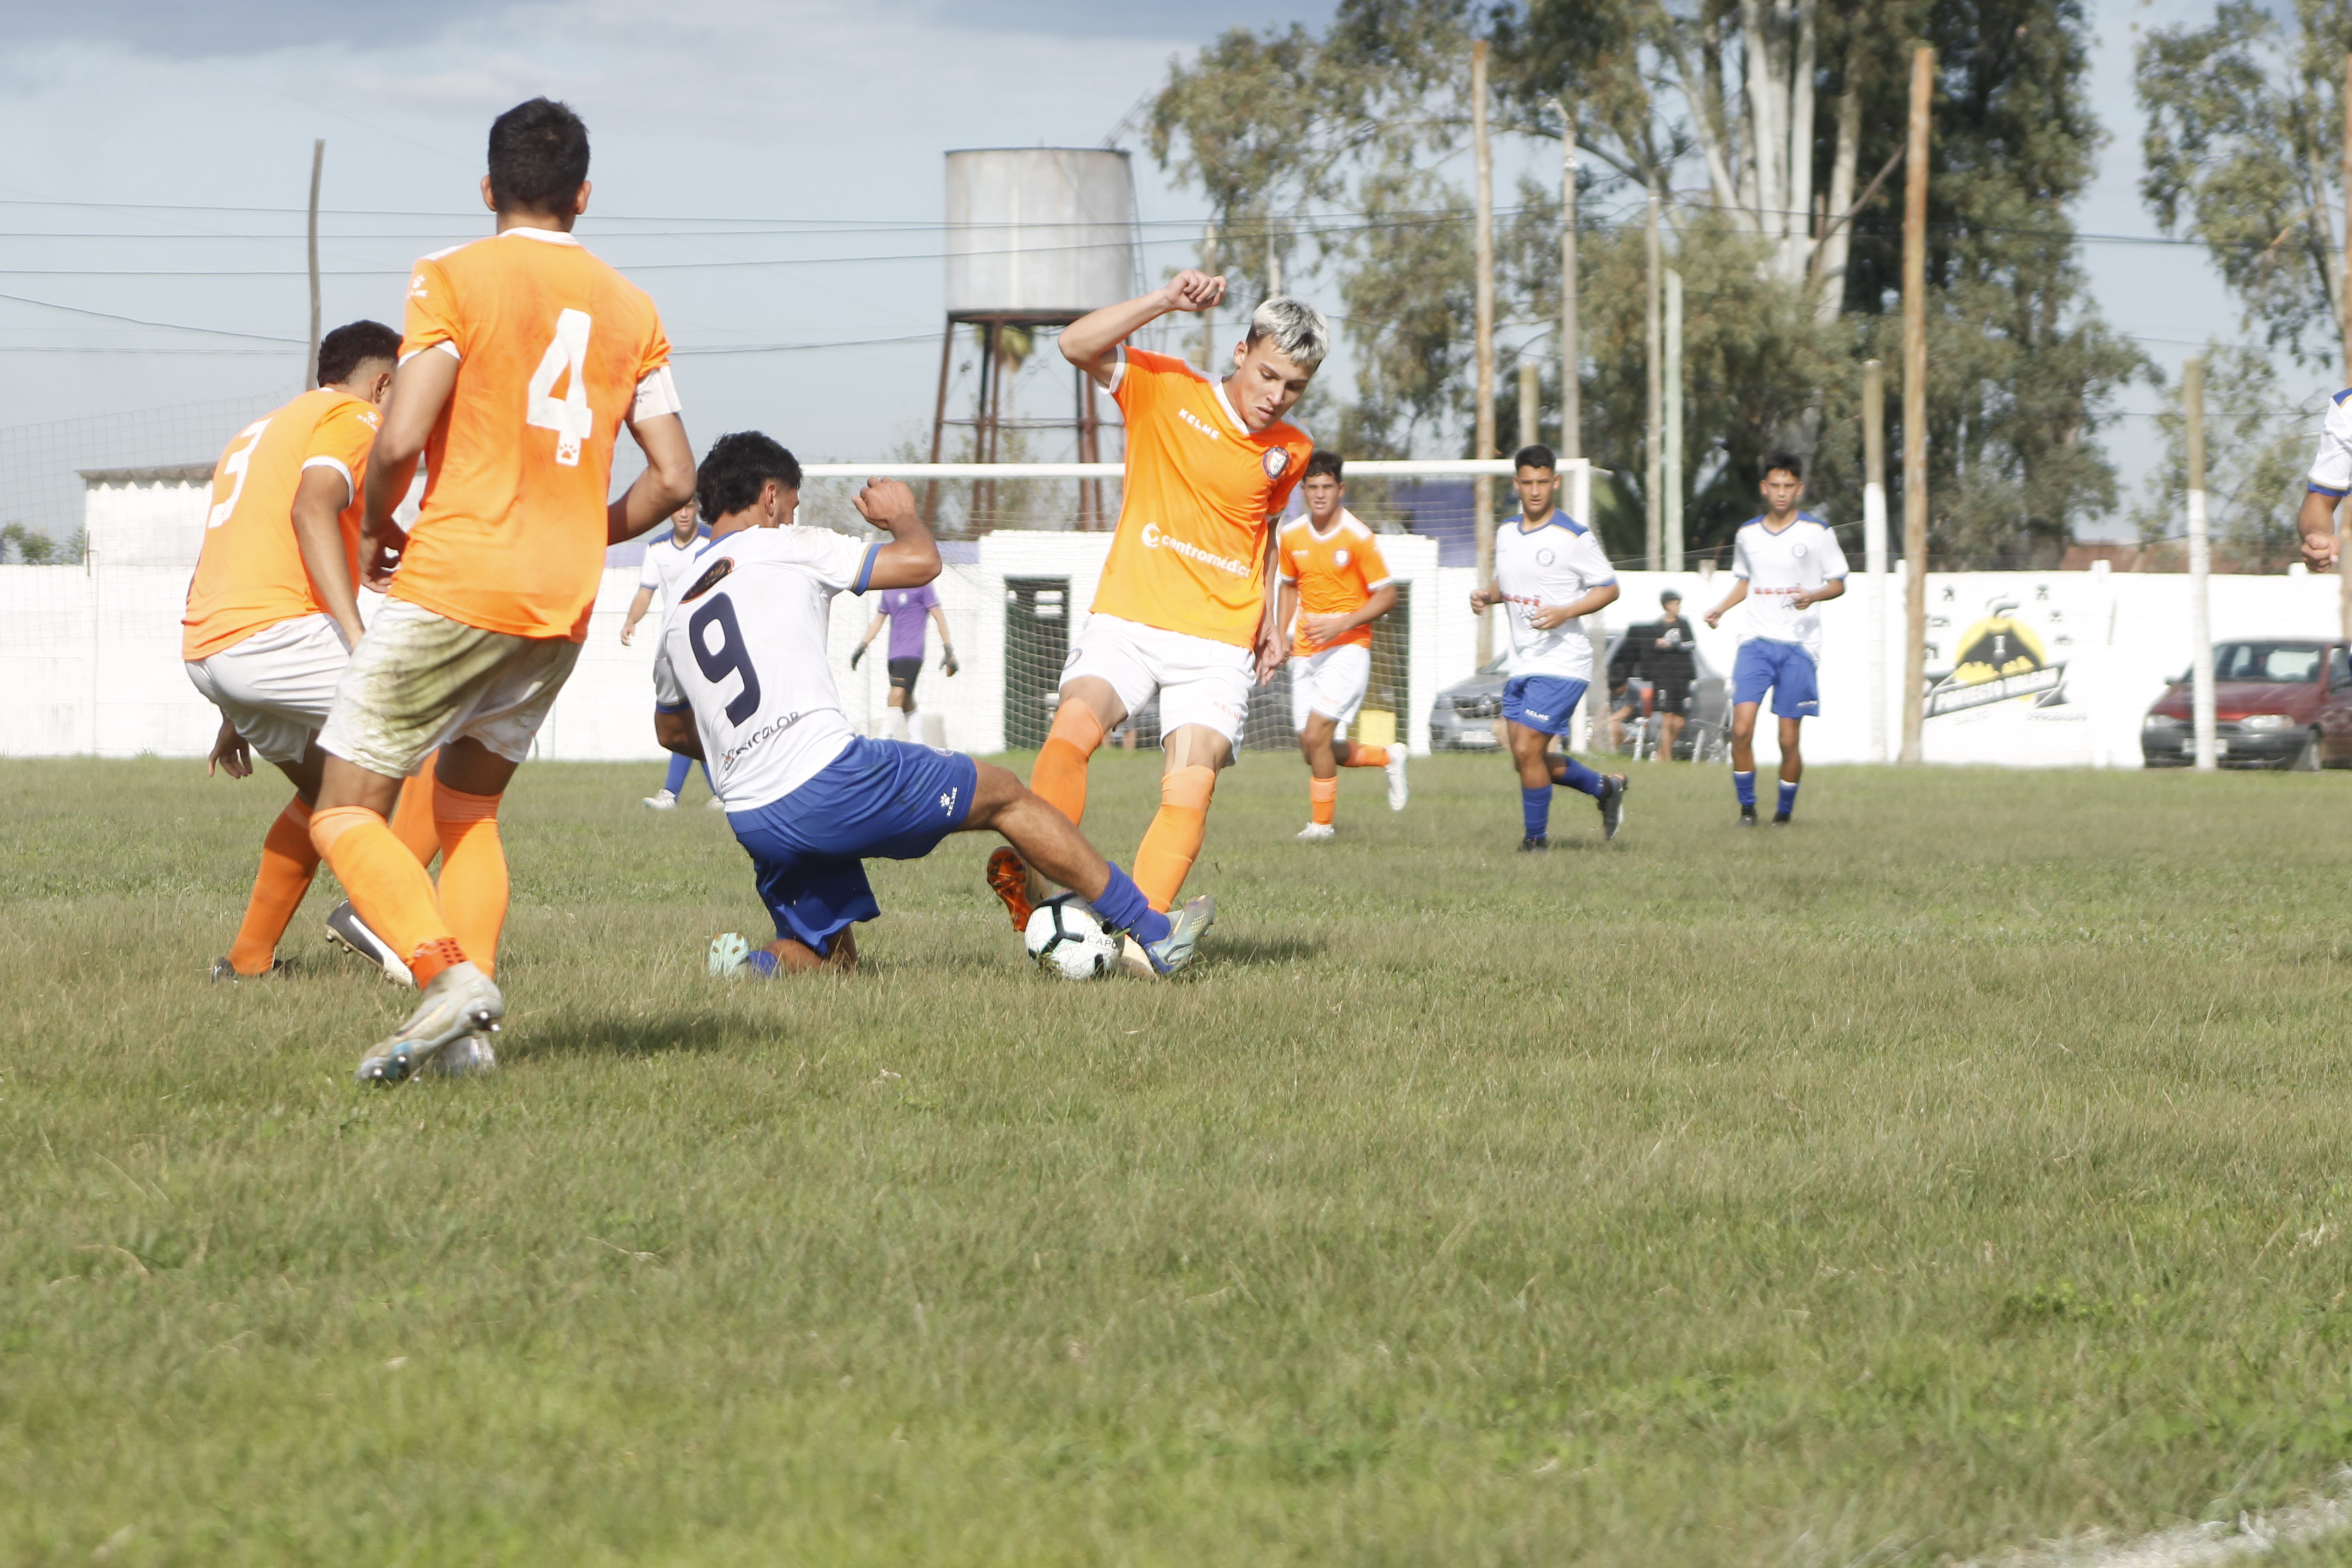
(1066, 937)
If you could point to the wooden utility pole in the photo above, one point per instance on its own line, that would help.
(1483, 488)
(2344, 557)
(2200, 569)
(318, 165)
(1670, 491)
(1914, 404)
(1874, 544)
(1209, 316)
(1530, 403)
(1654, 515)
(1571, 409)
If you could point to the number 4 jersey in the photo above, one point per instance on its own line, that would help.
(744, 648)
(555, 352)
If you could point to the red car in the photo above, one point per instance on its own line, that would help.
(2282, 703)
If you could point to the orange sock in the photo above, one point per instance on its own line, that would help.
(288, 863)
(1322, 800)
(1362, 756)
(1174, 840)
(387, 887)
(473, 871)
(1060, 776)
(412, 819)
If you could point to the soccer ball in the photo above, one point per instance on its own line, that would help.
(1067, 937)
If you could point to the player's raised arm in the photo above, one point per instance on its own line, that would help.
(912, 557)
(1091, 342)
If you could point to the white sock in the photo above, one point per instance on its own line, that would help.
(897, 731)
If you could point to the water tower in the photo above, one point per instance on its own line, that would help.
(1037, 237)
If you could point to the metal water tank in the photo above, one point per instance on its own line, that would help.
(1039, 233)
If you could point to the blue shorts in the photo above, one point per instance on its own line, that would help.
(1785, 669)
(889, 799)
(1544, 702)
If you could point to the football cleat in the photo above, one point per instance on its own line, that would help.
(347, 931)
(1008, 879)
(460, 1001)
(1397, 793)
(1611, 800)
(1316, 832)
(1174, 951)
(1534, 845)
(469, 1057)
(1779, 819)
(1746, 816)
(728, 955)
(224, 970)
(661, 801)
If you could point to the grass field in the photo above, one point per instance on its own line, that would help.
(1964, 1167)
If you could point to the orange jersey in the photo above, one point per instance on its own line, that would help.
(1335, 573)
(1190, 555)
(554, 351)
(250, 573)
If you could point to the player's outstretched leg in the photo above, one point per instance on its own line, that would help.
(1049, 842)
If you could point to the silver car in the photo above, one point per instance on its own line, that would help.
(1463, 717)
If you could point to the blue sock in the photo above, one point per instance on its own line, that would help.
(705, 776)
(678, 763)
(1534, 804)
(1575, 776)
(761, 963)
(1743, 785)
(1787, 798)
(1123, 908)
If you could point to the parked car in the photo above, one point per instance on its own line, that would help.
(2277, 703)
(1463, 717)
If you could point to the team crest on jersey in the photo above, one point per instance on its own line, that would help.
(1340, 558)
(710, 579)
(1543, 557)
(1798, 550)
(1276, 459)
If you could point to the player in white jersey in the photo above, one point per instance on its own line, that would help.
(1784, 564)
(2330, 482)
(742, 680)
(667, 561)
(1550, 571)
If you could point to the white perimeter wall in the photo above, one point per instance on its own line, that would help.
(89, 656)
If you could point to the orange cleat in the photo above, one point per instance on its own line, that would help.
(1008, 879)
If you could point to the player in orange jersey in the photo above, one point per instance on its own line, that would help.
(273, 614)
(1182, 610)
(1335, 585)
(523, 358)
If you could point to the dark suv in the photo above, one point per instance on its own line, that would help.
(2283, 703)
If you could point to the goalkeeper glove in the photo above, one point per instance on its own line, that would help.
(947, 658)
(857, 655)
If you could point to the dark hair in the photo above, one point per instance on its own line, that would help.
(736, 469)
(1322, 462)
(1669, 597)
(1536, 458)
(539, 158)
(350, 346)
(1787, 463)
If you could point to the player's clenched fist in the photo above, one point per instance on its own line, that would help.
(1193, 290)
(888, 504)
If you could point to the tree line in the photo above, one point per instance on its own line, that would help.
(1771, 131)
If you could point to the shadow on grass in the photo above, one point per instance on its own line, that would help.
(1261, 951)
(607, 1035)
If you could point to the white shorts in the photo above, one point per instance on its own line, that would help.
(276, 685)
(1200, 682)
(419, 680)
(1330, 682)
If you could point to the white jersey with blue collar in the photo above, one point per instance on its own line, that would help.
(744, 648)
(1777, 567)
(1557, 563)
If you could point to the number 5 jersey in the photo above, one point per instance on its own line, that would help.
(555, 352)
(744, 648)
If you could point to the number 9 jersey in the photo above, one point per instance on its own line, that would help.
(555, 352)
(744, 648)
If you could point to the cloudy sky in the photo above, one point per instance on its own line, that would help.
(772, 172)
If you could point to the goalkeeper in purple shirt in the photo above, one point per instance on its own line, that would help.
(906, 609)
